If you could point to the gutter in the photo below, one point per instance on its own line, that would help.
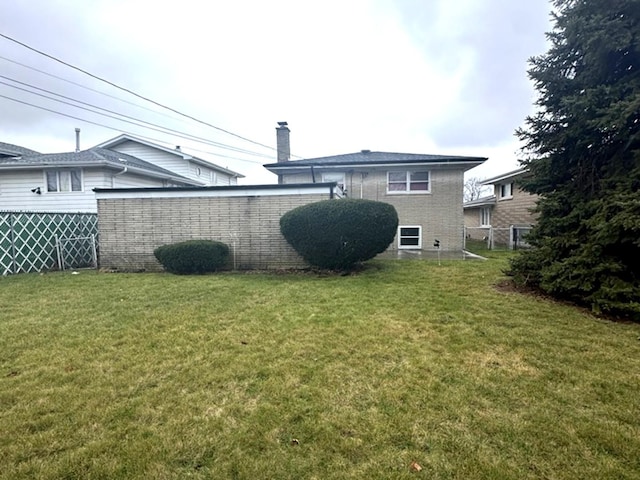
(293, 166)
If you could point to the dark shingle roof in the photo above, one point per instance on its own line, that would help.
(367, 157)
(8, 149)
(96, 156)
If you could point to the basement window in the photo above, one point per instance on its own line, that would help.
(64, 180)
(410, 237)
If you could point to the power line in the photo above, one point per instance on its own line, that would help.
(89, 88)
(105, 94)
(136, 121)
(117, 129)
(131, 92)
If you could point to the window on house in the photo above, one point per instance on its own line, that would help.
(485, 216)
(506, 190)
(64, 180)
(408, 182)
(410, 236)
(335, 177)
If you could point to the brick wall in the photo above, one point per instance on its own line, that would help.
(514, 210)
(439, 212)
(131, 228)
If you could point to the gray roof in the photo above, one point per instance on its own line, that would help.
(90, 157)
(480, 202)
(504, 176)
(8, 149)
(369, 158)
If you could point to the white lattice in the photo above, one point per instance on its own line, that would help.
(78, 252)
(28, 240)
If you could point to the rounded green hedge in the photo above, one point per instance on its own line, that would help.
(337, 234)
(193, 256)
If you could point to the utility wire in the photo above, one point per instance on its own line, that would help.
(106, 95)
(136, 121)
(131, 92)
(90, 89)
(117, 129)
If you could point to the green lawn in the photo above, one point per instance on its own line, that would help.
(251, 376)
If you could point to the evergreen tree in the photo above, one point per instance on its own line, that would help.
(582, 147)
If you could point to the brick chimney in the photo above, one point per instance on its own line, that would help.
(282, 136)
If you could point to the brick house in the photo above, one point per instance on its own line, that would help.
(426, 190)
(504, 217)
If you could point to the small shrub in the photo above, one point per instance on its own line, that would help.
(337, 234)
(192, 256)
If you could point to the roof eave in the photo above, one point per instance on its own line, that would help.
(480, 202)
(504, 176)
(293, 167)
(103, 164)
(185, 156)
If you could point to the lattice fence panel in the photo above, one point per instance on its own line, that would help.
(28, 239)
(77, 252)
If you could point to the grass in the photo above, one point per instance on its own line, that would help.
(262, 375)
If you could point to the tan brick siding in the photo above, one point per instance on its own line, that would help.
(506, 212)
(472, 222)
(515, 210)
(130, 229)
(439, 212)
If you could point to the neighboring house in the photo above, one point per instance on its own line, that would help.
(8, 150)
(504, 217)
(201, 171)
(426, 190)
(64, 182)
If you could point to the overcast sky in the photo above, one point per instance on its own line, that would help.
(413, 76)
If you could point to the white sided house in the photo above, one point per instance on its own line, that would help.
(64, 182)
(175, 160)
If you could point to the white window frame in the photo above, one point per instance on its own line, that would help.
(417, 246)
(505, 191)
(485, 217)
(331, 177)
(408, 181)
(62, 176)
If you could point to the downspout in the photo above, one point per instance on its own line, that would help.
(122, 172)
(313, 175)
